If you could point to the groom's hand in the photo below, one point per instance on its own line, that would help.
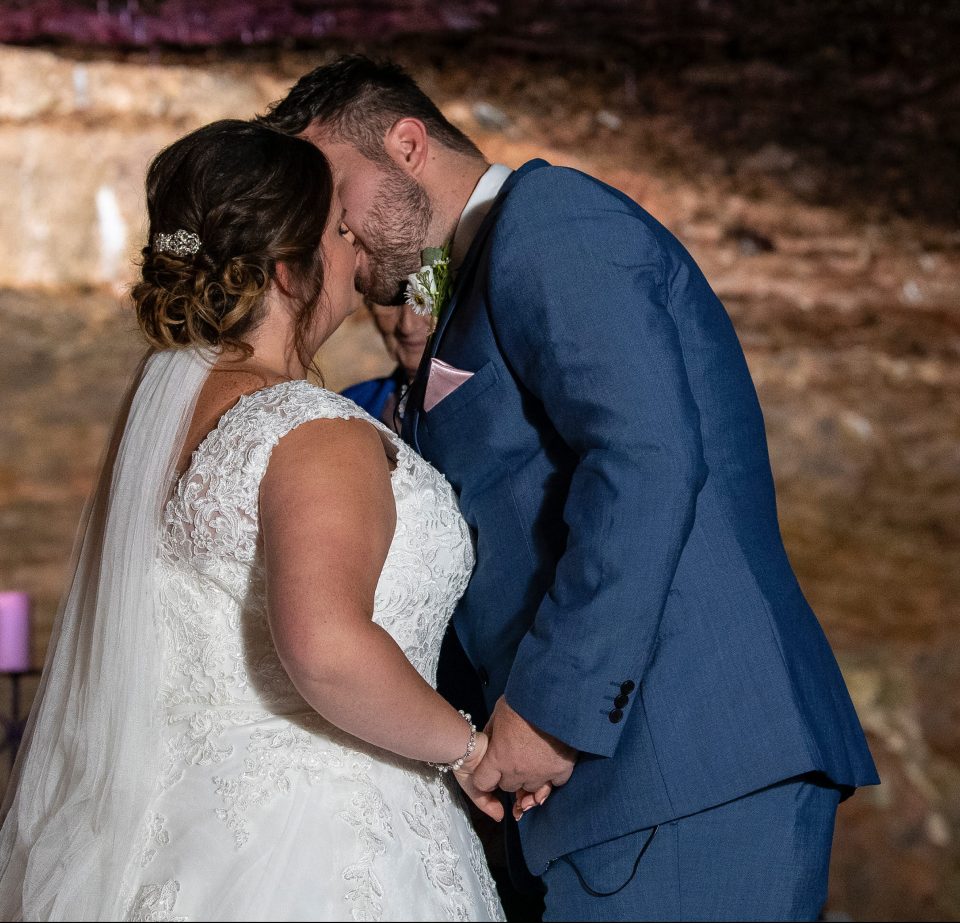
(520, 756)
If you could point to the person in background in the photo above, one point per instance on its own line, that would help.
(405, 336)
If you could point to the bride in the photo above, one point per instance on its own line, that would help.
(236, 718)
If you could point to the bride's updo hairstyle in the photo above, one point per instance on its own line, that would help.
(243, 198)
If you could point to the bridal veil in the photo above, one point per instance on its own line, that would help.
(75, 806)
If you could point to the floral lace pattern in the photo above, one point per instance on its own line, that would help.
(440, 859)
(154, 903)
(369, 816)
(245, 750)
(157, 836)
(273, 756)
(488, 889)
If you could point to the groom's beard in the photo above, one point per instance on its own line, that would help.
(393, 236)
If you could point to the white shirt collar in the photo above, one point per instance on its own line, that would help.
(484, 194)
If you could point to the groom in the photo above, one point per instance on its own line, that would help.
(633, 617)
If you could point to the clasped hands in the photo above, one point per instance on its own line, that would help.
(517, 757)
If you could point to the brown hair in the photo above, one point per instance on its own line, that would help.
(359, 99)
(255, 198)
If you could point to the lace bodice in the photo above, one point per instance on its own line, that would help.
(217, 646)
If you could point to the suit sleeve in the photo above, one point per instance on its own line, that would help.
(579, 304)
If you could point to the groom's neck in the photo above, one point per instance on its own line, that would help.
(449, 181)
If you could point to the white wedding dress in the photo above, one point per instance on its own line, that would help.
(263, 810)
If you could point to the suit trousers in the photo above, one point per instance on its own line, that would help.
(764, 856)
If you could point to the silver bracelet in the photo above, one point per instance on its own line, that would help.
(471, 746)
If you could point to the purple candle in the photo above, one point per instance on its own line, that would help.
(14, 632)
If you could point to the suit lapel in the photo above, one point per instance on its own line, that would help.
(417, 389)
(474, 250)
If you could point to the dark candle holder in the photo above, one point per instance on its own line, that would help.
(12, 725)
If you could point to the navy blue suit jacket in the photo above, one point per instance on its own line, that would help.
(632, 595)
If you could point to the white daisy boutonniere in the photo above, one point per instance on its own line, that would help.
(428, 289)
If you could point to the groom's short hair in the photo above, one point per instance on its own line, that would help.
(359, 99)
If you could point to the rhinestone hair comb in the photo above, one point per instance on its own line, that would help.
(179, 243)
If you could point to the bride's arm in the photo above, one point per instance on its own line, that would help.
(327, 514)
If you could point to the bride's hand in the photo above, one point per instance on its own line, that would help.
(488, 802)
(523, 800)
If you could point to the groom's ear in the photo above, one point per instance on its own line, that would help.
(407, 143)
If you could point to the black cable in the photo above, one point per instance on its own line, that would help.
(636, 865)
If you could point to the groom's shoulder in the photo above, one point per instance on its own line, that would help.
(542, 187)
(545, 200)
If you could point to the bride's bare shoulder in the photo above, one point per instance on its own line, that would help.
(225, 386)
(221, 391)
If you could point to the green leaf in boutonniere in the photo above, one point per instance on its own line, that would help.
(428, 289)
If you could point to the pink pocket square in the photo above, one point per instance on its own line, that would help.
(442, 382)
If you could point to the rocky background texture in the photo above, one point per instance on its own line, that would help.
(817, 189)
